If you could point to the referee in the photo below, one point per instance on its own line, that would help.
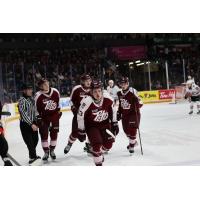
(28, 125)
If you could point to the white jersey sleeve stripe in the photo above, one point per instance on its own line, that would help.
(85, 104)
(36, 99)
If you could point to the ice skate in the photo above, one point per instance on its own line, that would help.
(35, 161)
(191, 112)
(46, 156)
(67, 148)
(52, 154)
(131, 147)
(7, 162)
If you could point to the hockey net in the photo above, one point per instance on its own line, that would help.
(179, 94)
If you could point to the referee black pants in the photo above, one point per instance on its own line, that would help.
(30, 138)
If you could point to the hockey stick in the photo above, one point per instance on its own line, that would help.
(5, 113)
(110, 133)
(141, 149)
(13, 160)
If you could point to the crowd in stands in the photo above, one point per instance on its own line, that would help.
(63, 67)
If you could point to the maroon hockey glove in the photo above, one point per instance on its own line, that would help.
(81, 135)
(115, 128)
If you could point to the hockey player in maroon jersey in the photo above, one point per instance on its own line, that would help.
(78, 93)
(129, 111)
(47, 105)
(97, 118)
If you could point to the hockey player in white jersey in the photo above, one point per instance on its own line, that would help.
(112, 89)
(193, 94)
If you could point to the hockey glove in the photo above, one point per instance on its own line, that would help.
(74, 110)
(39, 121)
(115, 128)
(119, 117)
(81, 135)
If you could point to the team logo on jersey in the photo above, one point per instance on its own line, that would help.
(100, 116)
(94, 111)
(82, 94)
(50, 105)
(125, 104)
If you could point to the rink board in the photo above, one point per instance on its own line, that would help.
(155, 96)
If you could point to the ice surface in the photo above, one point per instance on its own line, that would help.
(169, 135)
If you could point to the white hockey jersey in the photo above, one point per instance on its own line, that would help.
(194, 90)
(113, 91)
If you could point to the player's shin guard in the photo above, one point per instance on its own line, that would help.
(53, 135)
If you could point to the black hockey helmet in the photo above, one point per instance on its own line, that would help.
(26, 86)
(123, 80)
(96, 84)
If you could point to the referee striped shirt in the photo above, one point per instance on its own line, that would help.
(27, 110)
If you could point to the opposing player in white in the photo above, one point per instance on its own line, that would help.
(112, 89)
(193, 94)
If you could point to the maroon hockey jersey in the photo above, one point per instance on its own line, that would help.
(96, 115)
(78, 93)
(47, 103)
(129, 102)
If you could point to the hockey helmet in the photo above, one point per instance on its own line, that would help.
(85, 77)
(124, 80)
(96, 84)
